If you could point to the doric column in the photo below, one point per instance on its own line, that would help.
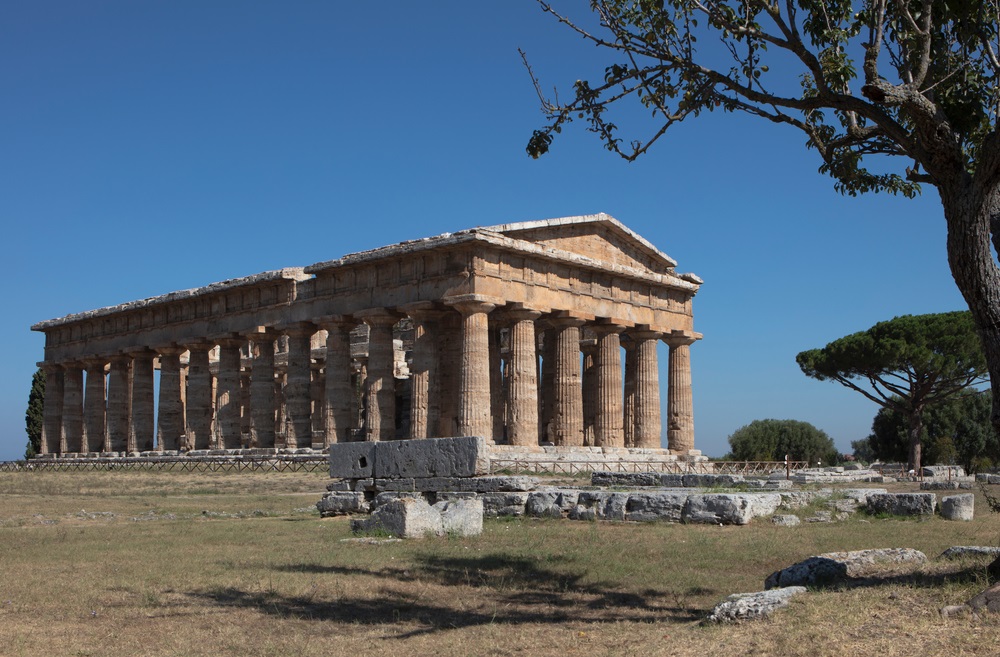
(425, 410)
(449, 345)
(547, 394)
(170, 414)
(52, 410)
(95, 406)
(497, 401)
(567, 412)
(141, 427)
(298, 402)
(338, 396)
(647, 390)
(199, 397)
(474, 402)
(589, 374)
(72, 424)
(262, 397)
(523, 385)
(227, 394)
(119, 403)
(380, 384)
(680, 408)
(628, 402)
(608, 363)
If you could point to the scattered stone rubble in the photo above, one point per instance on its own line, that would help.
(839, 567)
(741, 607)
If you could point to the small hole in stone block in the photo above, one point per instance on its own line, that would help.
(362, 462)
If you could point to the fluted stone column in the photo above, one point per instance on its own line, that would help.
(298, 401)
(680, 408)
(52, 410)
(199, 397)
(449, 360)
(523, 386)
(338, 395)
(628, 401)
(474, 402)
(227, 395)
(317, 397)
(170, 414)
(262, 394)
(589, 374)
(95, 406)
(72, 424)
(141, 426)
(547, 395)
(380, 384)
(567, 412)
(647, 390)
(119, 403)
(497, 401)
(425, 409)
(608, 363)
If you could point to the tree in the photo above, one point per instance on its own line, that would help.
(906, 364)
(771, 440)
(957, 429)
(863, 451)
(891, 95)
(34, 415)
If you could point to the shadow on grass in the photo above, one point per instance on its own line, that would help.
(508, 590)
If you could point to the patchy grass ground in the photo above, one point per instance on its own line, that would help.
(240, 564)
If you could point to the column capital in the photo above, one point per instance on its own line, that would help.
(681, 338)
(378, 316)
(200, 343)
(602, 329)
(261, 333)
(172, 349)
(421, 309)
(566, 318)
(298, 328)
(638, 334)
(518, 312)
(328, 322)
(468, 304)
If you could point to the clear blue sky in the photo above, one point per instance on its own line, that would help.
(153, 146)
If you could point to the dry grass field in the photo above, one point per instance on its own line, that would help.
(241, 564)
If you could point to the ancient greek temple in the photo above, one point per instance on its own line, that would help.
(527, 334)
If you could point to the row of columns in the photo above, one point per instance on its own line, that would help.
(553, 400)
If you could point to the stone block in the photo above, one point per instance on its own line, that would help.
(388, 496)
(903, 504)
(750, 606)
(352, 460)
(544, 504)
(785, 520)
(672, 480)
(340, 485)
(958, 507)
(433, 457)
(712, 480)
(835, 567)
(404, 518)
(461, 517)
(960, 551)
(625, 479)
(729, 508)
(504, 504)
(945, 471)
(342, 503)
(953, 484)
(797, 499)
(658, 506)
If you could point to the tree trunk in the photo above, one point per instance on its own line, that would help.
(969, 209)
(916, 446)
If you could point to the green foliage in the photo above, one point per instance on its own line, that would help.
(906, 364)
(33, 417)
(771, 440)
(863, 451)
(955, 430)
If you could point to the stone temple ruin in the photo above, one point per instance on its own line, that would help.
(528, 335)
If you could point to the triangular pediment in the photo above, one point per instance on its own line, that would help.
(599, 237)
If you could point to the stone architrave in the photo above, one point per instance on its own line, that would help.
(298, 395)
(380, 383)
(338, 395)
(523, 387)
(72, 424)
(142, 428)
(647, 426)
(474, 399)
(680, 408)
(608, 365)
(262, 393)
(425, 392)
(170, 414)
(52, 412)
(227, 394)
(119, 404)
(567, 397)
(95, 406)
(199, 409)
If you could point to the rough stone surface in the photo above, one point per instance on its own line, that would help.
(660, 506)
(461, 517)
(544, 504)
(750, 606)
(903, 504)
(958, 507)
(954, 484)
(945, 471)
(630, 479)
(797, 499)
(483, 484)
(711, 480)
(352, 460)
(404, 518)
(785, 520)
(959, 551)
(504, 504)
(433, 457)
(388, 496)
(837, 567)
(987, 478)
(342, 503)
(729, 508)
